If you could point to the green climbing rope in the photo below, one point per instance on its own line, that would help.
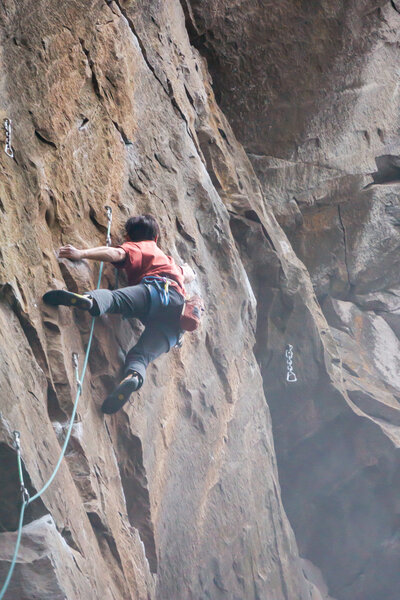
(78, 394)
(79, 380)
(25, 498)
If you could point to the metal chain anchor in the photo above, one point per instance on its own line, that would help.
(8, 147)
(109, 217)
(290, 376)
(17, 445)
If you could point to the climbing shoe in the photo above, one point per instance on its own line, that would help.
(57, 297)
(121, 394)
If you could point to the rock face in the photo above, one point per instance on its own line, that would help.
(311, 90)
(281, 191)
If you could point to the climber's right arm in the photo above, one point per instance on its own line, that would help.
(103, 253)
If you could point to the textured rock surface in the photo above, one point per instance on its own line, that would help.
(178, 496)
(165, 500)
(311, 90)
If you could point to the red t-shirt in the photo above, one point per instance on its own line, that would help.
(144, 259)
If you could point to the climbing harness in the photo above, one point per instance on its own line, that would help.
(290, 375)
(8, 147)
(158, 287)
(79, 382)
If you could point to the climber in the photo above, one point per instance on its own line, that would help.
(155, 295)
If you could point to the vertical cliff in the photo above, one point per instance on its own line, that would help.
(178, 496)
(311, 90)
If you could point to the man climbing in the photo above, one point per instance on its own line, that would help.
(155, 295)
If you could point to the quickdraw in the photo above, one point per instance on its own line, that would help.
(17, 445)
(25, 502)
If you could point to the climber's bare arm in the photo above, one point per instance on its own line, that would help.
(103, 253)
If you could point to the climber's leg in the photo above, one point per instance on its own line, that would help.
(57, 297)
(131, 301)
(121, 394)
(151, 344)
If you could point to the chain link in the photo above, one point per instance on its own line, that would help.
(75, 357)
(8, 147)
(290, 376)
(109, 217)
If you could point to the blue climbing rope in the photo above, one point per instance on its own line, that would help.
(26, 500)
(79, 381)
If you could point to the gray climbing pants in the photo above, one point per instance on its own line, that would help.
(161, 330)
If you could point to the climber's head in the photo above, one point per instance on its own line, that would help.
(141, 228)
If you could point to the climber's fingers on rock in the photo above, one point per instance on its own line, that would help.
(70, 252)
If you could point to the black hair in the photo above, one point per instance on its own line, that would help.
(141, 228)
